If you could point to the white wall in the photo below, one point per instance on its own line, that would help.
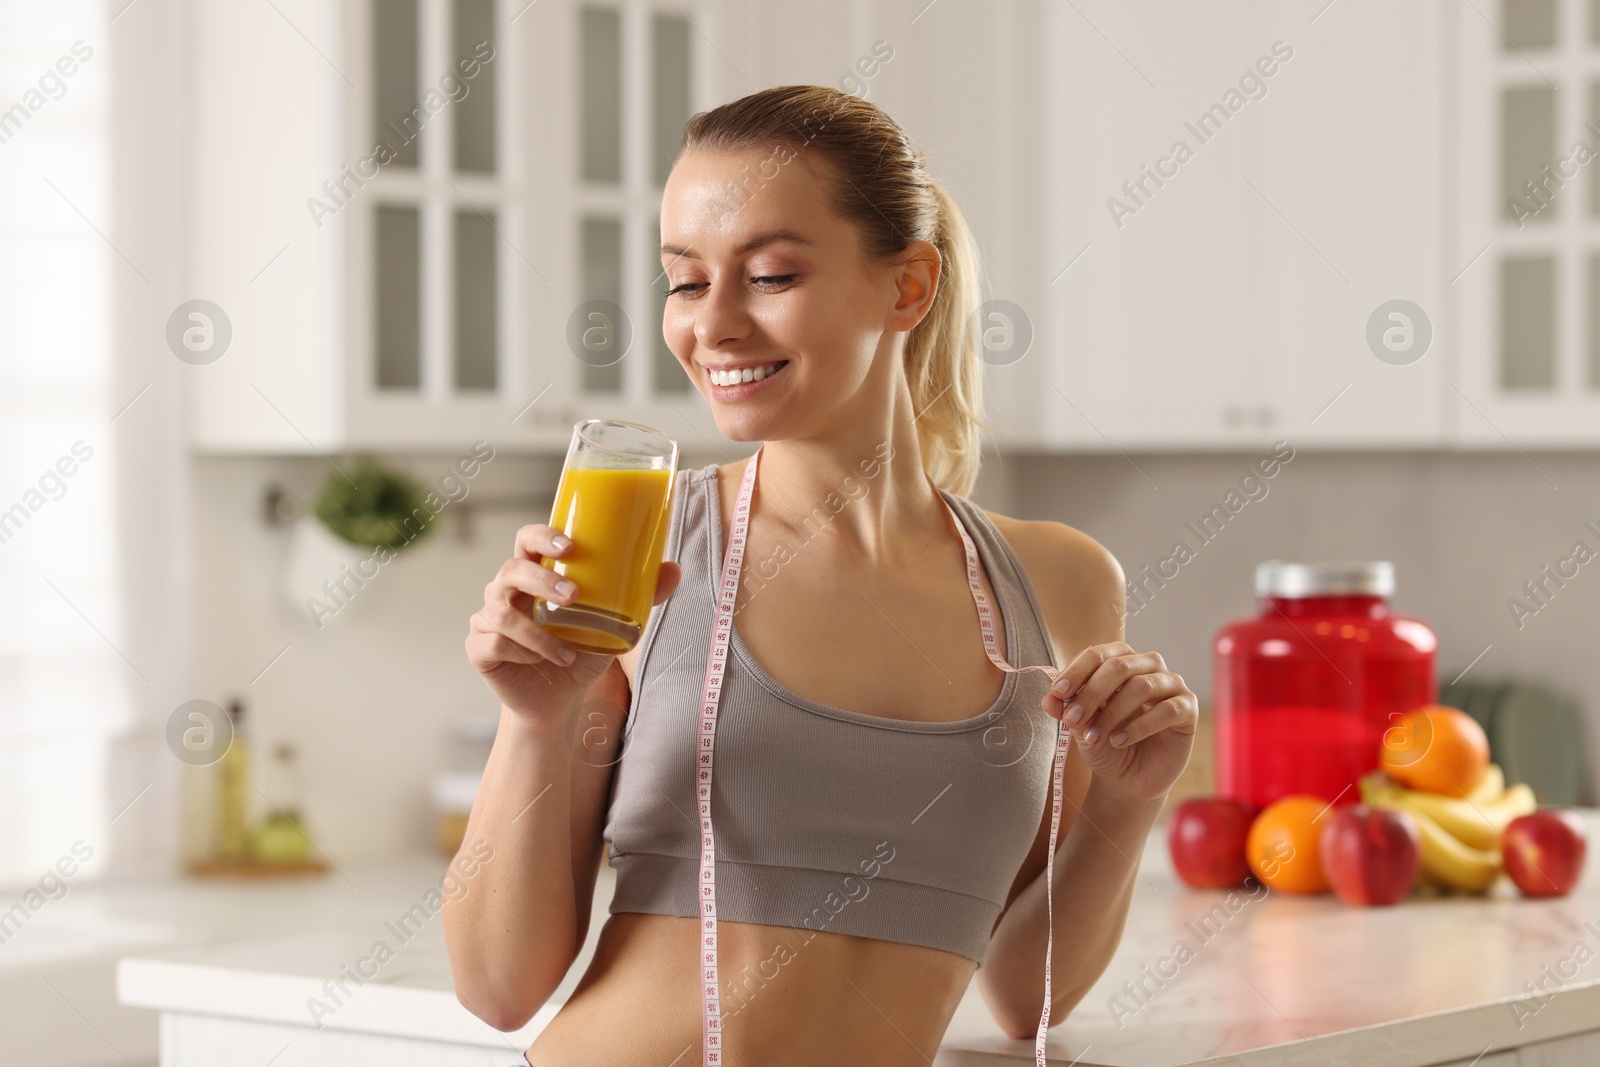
(369, 698)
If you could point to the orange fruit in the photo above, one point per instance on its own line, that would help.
(1284, 847)
(1435, 749)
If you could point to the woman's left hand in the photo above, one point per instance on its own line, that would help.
(1136, 721)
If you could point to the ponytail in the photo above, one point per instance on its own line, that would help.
(941, 359)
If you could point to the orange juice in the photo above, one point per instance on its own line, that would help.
(617, 520)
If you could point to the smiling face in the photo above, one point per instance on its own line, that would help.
(769, 274)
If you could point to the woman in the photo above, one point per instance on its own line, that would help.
(807, 249)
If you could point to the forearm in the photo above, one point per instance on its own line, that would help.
(1095, 870)
(513, 934)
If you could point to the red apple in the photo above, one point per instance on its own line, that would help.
(1544, 851)
(1206, 838)
(1370, 856)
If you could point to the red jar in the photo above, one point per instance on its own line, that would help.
(1305, 691)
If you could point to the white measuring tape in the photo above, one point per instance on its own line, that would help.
(716, 667)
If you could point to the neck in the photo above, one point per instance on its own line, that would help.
(863, 489)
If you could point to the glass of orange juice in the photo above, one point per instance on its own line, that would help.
(614, 501)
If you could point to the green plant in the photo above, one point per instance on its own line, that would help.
(373, 512)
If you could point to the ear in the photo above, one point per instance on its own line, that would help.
(915, 285)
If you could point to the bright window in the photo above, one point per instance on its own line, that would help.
(64, 687)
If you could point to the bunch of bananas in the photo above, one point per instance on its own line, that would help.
(1460, 835)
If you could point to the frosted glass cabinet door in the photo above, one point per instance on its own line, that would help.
(397, 269)
(635, 72)
(1528, 135)
(406, 265)
(454, 258)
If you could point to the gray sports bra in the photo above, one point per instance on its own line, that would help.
(827, 819)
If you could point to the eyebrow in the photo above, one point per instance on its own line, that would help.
(749, 246)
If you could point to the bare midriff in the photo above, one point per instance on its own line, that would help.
(790, 996)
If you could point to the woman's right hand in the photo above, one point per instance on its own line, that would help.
(521, 660)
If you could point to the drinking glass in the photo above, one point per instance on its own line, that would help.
(613, 502)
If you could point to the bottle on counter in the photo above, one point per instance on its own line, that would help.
(1305, 690)
(282, 838)
(233, 791)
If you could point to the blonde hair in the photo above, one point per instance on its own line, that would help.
(880, 185)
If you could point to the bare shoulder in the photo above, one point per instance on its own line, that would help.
(1080, 585)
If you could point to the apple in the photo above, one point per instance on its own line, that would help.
(1370, 856)
(1206, 837)
(1544, 851)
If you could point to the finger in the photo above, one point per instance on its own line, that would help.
(1083, 665)
(506, 651)
(534, 579)
(1139, 692)
(498, 644)
(667, 583)
(539, 539)
(1179, 713)
(519, 628)
(488, 649)
(1110, 676)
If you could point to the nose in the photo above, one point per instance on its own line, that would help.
(721, 316)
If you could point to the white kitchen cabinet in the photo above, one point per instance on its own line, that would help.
(266, 131)
(289, 101)
(1341, 176)
(1140, 335)
(1227, 309)
(1225, 304)
(429, 300)
(1530, 341)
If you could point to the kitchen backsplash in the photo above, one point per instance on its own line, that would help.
(372, 696)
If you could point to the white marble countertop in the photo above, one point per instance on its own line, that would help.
(1279, 980)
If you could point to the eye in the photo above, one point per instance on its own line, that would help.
(769, 281)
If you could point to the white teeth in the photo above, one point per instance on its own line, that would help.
(746, 374)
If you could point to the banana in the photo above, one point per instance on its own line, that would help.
(1445, 859)
(1475, 825)
(1489, 790)
(1460, 836)
(1476, 820)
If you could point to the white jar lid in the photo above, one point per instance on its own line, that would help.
(1278, 578)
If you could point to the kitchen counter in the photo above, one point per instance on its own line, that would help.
(1199, 978)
